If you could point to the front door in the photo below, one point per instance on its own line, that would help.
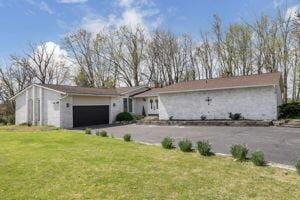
(153, 106)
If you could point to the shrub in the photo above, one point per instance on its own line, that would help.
(235, 116)
(138, 117)
(10, 119)
(98, 133)
(3, 120)
(298, 166)
(124, 116)
(103, 134)
(258, 158)
(25, 124)
(239, 152)
(203, 117)
(127, 137)
(204, 148)
(88, 131)
(185, 145)
(289, 110)
(167, 143)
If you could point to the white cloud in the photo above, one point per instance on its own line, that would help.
(277, 3)
(131, 13)
(293, 11)
(72, 1)
(126, 3)
(44, 7)
(132, 18)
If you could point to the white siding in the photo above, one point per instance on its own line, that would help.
(139, 103)
(66, 112)
(253, 103)
(51, 108)
(21, 108)
(116, 107)
(50, 111)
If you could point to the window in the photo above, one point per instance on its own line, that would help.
(125, 105)
(130, 105)
(151, 103)
(156, 101)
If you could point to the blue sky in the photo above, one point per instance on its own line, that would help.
(24, 21)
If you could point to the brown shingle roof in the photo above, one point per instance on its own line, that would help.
(124, 90)
(223, 83)
(150, 93)
(81, 90)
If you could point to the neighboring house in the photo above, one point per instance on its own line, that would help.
(255, 97)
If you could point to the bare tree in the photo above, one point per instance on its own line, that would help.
(127, 50)
(206, 57)
(44, 65)
(12, 80)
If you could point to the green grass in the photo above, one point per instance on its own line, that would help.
(59, 164)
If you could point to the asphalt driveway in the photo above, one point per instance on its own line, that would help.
(281, 145)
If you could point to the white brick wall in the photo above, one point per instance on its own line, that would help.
(50, 111)
(21, 108)
(253, 103)
(139, 103)
(116, 107)
(66, 112)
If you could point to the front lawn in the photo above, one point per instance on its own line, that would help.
(59, 164)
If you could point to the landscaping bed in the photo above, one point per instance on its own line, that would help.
(60, 164)
(207, 122)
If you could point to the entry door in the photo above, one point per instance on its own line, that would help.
(90, 115)
(153, 106)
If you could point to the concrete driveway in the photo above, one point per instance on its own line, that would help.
(281, 145)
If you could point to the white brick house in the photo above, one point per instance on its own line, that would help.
(255, 97)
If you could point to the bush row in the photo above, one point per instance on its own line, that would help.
(88, 131)
(239, 152)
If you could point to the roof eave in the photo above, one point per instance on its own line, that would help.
(96, 95)
(209, 89)
(131, 91)
(34, 84)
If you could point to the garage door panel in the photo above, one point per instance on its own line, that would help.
(90, 115)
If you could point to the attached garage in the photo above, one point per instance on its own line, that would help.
(90, 115)
(71, 106)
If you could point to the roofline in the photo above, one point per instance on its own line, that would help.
(224, 88)
(45, 87)
(129, 91)
(95, 95)
(150, 95)
(34, 84)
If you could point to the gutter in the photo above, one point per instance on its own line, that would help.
(210, 89)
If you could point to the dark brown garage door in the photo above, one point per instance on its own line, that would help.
(90, 115)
